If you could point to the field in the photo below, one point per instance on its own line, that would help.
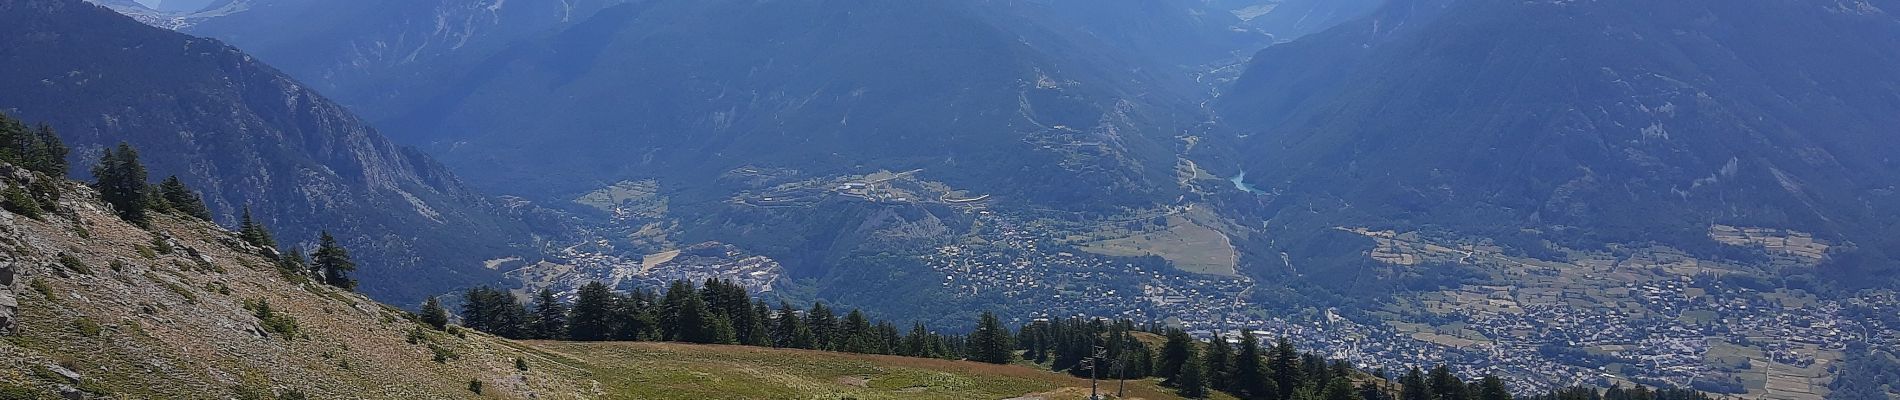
(1189, 245)
(681, 371)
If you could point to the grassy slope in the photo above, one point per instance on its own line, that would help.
(680, 371)
(169, 326)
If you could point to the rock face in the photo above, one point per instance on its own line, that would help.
(7, 303)
(246, 135)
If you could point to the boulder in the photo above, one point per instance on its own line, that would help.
(7, 302)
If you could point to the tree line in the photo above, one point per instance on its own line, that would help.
(715, 312)
(722, 312)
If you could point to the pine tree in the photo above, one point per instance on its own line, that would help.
(1251, 380)
(334, 262)
(758, 326)
(1491, 388)
(254, 232)
(823, 326)
(1413, 386)
(990, 342)
(856, 334)
(182, 199)
(1191, 382)
(433, 314)
(917, 343)
(1177, 351)
(1220, 364)
(550, 316)
(592, 317)
(1340, 388)
(121, 181)
(1446, 386)
(788, 330)
(1286, 367)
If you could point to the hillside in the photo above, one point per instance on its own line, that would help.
(1589, 122)
(247, 135)
(109, 309)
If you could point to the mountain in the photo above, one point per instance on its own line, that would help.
(246, 135)
(1590, 122)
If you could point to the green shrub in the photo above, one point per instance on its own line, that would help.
(283, 325)
(475, 386)
(442, 354)
(18, 201)
(73, 263)
(146, 252)
(87, 327)
(11, 391)
(39, 285)
(160, 246)
(521, 365)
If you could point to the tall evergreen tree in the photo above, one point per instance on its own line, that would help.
(788, 329)
(1191, 382)
(917, 343)
(433, 314)
(1413, 386)
(823, 325)
(1220, 364)
(1446, 386)
(121, 181)
(1340, 388)
(592, 317)
(1491, 388)
(990, 342)
(1251, 379)
(334, 261)
(1286, 366)
(253, 232)
(182, 199)
(1178, 350)
(550, 316)
(855, 335)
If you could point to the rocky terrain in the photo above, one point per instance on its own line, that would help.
(108, 309)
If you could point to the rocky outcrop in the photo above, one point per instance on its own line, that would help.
(7, 302)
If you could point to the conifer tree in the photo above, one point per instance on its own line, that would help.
(334, 261)
(1413, 386)
(1446, 386)
(990, 342)
(759, 325)
(823, 325)
(855, 336)
(1251, 380)
(253, 232)
(182, 199)
(1340, 388)
(550, 316)
(121, 181)
(1191, 382)
(433, 314)
(592, 317)
(788, 329)
(1491, 388)
(1286, 365)
(917, 343)
(1220, 364)
(1178, 350)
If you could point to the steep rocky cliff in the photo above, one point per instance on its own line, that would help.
(245, 134)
